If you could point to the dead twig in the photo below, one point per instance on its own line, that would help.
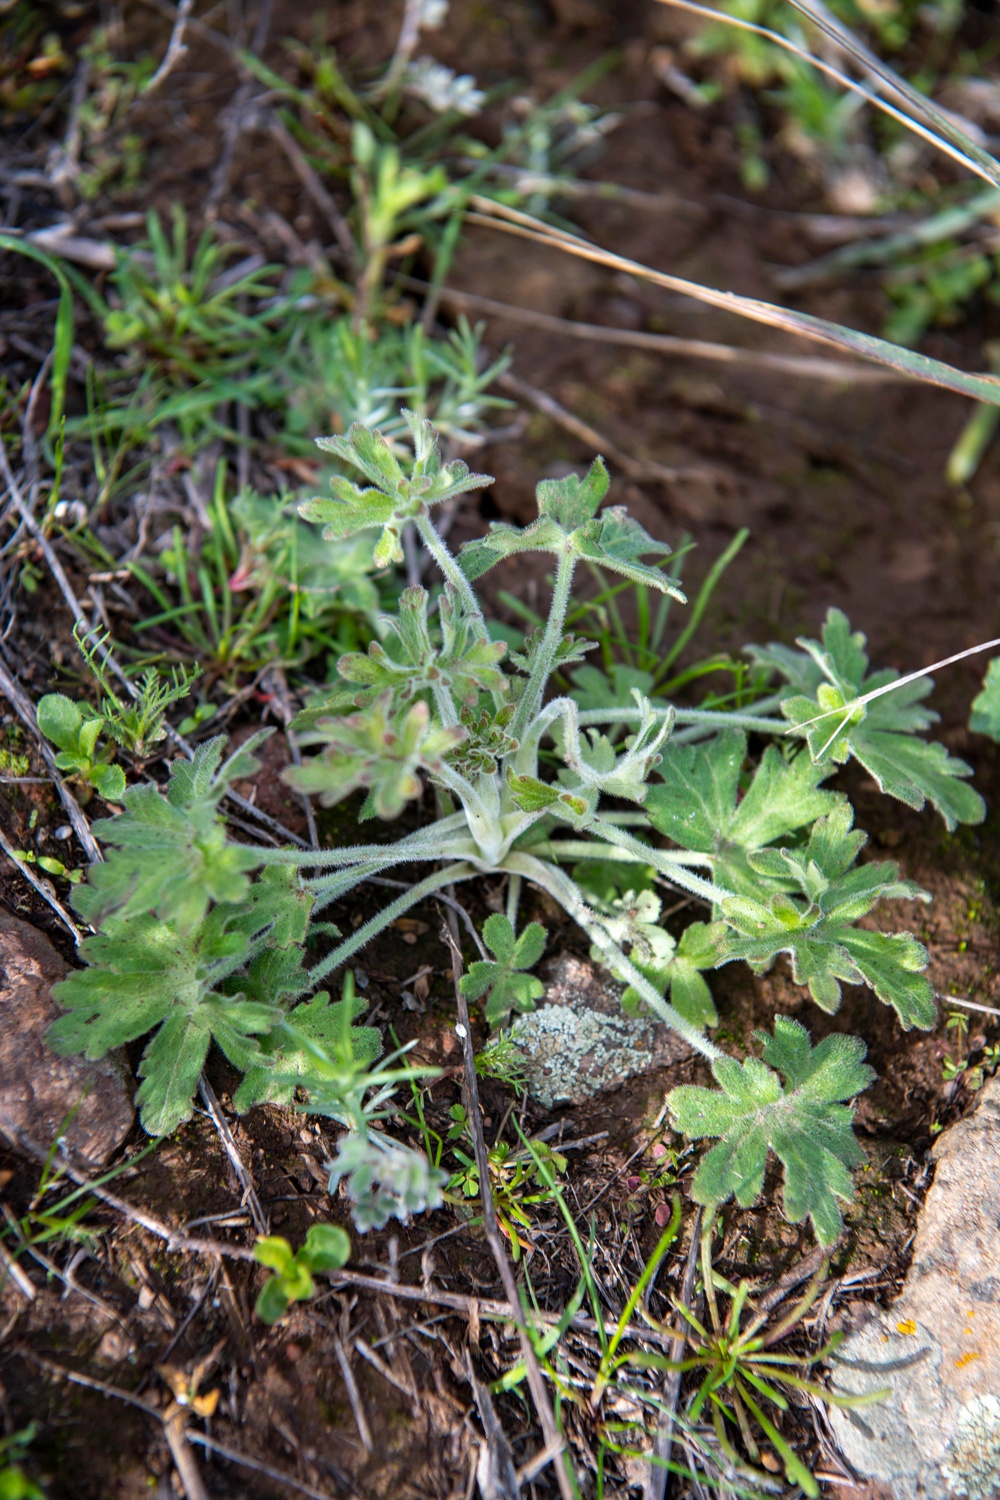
(636, 469)
(282, 136)
(43, 888)
(354, 1396)
(176, 47)
(172, 1422)
(536, 1383)
(175, 1432)
(246, 1182)
(668, 343)
(255, 1464)
(496, 1473)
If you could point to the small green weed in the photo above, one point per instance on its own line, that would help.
(14, 1482)
(741, 1378)
(519, 1179)
(134, 724)
(326, 1248)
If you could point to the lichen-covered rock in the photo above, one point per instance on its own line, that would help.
(937, 1349)
(579, 1042)
(39, 1090)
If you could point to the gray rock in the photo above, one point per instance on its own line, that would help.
(937, 1349)
(38, 1090)
(579, 1042)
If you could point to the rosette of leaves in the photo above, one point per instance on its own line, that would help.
(804, 1121)
(379, 749)
(191, 949)
(462, 659)
(528, 786)
(841, 711)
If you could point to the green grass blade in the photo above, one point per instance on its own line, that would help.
(701, 602)
(62, 347)
(841, 36)
(867, 346)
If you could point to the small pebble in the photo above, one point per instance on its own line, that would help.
(64, 831)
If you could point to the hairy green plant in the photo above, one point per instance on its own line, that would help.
(326, 1248)
(803, 1122)
(199, 937)
(502, 978)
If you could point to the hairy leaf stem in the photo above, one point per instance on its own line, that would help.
(563, 890)
(555, 629)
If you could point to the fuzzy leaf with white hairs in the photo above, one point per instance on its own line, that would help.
(170, 855)
(393, 497)
(697, 803)
(815, 924)
(804, 1122)
(827, 712)
(569, 522)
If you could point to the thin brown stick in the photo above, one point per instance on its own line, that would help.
(172, 1421)
(246, 1462)
(636, 469)
(490, 1308)
(354, 1397)
(495, 1470)
(283, 137)
(174, 1430)
(669, 344)
(43, 888)
(176, 47)
(536, 1383)
(246, 1182)
(492, 215)
(9, 1267)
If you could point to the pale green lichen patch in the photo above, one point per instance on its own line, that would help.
(571, 1055)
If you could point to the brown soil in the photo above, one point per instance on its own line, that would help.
(842, 488)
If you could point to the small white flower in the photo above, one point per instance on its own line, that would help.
(432, 14)
(442, 89)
